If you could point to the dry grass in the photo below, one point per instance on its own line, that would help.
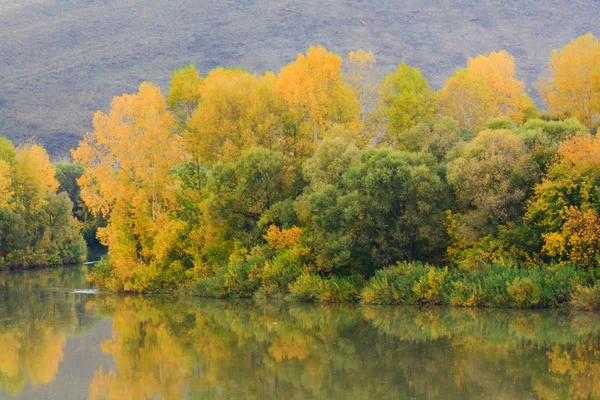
(61, 60)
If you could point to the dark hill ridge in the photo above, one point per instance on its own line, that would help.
(61, 60)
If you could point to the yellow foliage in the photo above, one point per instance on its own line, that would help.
(467, 98)
(554, 244)
(282, 238)
(5, 184)
(315, 93)
(33, 176)
(521, 291)
(507, 93)
(579, 238)
(572, 88)
(238, 111)
(185, 93)
(128, 160)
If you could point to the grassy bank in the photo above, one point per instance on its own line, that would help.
(496, 286)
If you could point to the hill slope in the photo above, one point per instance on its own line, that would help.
(61, 60)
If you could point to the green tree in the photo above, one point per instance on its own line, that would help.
(491, 177)
(386, 209)
(407, 100)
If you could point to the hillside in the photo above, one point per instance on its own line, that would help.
(61, 60)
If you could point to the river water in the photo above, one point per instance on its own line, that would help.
(60, 339)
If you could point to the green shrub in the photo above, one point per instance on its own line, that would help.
(466, 294)
(408, 283)
(490, 286)
(339, 290)
(433, 288)
(278, 273)
(210, 287)
(307, 287)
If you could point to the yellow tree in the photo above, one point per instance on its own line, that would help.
(238, 111)
(507, 92)
(361, 77)
(128, 159)
(467, 98)
(571, 88)
(314, 91)
(185, 93)
(32, 177)
(5, 184)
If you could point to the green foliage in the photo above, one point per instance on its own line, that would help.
(436, 135)
(408, 283)
(280, 271)
(340, 290)
(37, 227)
(67, 175)
(490, 286)
(307, 287)
(503, 122)
(407, 100)
(387, 209)
(492, 176)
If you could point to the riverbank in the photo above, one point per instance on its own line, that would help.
(494, 286)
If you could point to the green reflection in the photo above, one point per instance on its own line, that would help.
(166, 348)
(37, 312)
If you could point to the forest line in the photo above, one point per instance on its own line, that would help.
(321, 183)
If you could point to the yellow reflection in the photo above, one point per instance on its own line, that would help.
(166, 348)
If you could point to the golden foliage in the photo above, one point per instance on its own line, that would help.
(315, 93)
(572, 89)
(128, 159)
(282, 238)
(507, 92)
(467, 98)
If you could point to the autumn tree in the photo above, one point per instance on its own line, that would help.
(36, 224)
(490, 176)
(239, 111)
(128, 159)
(507, 93)
(314, 91)
(567, 200)
(361, 77)
(467, 98)
(184, 93)
(406, 100)
(572, 89)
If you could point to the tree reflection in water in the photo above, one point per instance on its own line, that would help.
(173, 348)
(237, 349)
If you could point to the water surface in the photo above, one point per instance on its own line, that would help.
(60, 339)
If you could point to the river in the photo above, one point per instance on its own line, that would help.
(60, 339)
